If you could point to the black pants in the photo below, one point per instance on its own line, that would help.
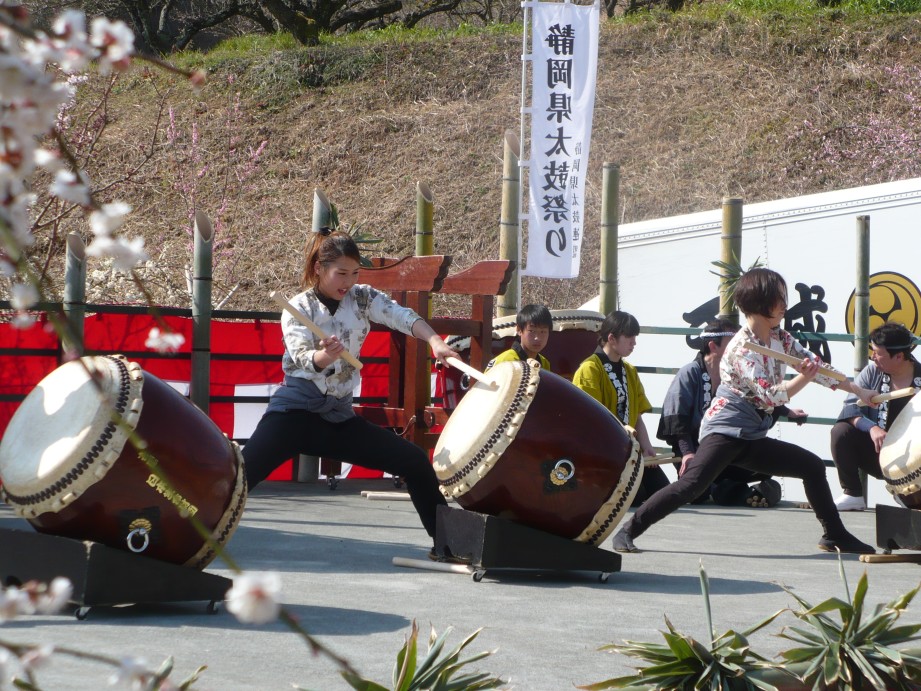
(280, 436)
(853, 451)
(769, 456)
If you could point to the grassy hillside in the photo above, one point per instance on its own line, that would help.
(693, 106)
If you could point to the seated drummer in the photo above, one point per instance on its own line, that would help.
(614, 382)
(533, 325)
(858, 436)
(686, 401)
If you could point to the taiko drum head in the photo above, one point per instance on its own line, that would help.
(539, 451)
(900, 455)
(68, 467)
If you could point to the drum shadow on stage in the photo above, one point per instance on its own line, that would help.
(318, 620)
(669, 584)
(267, 549)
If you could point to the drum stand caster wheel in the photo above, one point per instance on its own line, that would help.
(332, 482)
(398, 482)
(81, 613)
(478, 575)
(212, 607)
(603, 577)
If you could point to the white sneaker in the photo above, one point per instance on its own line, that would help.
(848, 503)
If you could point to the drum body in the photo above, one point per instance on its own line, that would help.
(71, 471)
(540, 452)
(900, 455)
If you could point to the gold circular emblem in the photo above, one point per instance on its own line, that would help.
(893, 297)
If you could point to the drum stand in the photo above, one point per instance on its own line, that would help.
(896, 528)
(495, 544)
(103, 576)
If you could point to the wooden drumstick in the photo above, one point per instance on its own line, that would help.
(898, 393)
(791, 359)
(661, 460)
(471, 372)
(316, 330)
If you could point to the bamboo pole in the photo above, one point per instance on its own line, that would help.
(510, 224)
(322, 210)
(200, 384)
(731, 252)
(610, 190)
(862, 296)
(425, 239)
(307, 468)
(74, 295)
(425, 247)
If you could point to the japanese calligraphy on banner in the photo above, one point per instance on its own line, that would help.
(564, 59)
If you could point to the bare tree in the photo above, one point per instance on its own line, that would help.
(163, 26)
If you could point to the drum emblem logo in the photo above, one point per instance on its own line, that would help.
(893, 297)
(139, 534)
(562, 472)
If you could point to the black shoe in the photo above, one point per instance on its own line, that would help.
(624, 543)
(447, 558)
(846, 545)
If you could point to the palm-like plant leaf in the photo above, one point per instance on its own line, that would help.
(685, 663)
(434, 673)
(730, 272)
(854, 650)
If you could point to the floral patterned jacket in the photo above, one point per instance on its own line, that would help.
(758, 378)
(351, 323)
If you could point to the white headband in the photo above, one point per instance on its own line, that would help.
(716, 334)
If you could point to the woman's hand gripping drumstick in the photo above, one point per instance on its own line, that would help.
(457, 363)
(866, 396)
(331, 344)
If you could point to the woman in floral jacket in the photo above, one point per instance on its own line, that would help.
(312, 412)
(734, 429)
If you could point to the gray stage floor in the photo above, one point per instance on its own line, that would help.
(333, 550)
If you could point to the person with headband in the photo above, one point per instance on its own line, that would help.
(311, 413)
(687, 399)
(734, 428)
(858, 436)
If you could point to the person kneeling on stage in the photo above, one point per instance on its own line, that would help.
(858, 436)
(312, 412)
(734, 429)
(686, 401)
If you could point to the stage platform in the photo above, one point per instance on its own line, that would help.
(334, 551)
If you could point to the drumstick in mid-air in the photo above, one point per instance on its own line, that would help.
(898, 393)
(793, 360)
(316, 330)
(471, 372)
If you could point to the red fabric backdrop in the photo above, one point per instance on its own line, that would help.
(37, 350)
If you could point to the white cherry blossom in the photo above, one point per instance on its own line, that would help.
(164, 341)
(253, 597)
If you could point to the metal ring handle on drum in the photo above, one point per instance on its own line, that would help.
(144, 533)
(559, 475)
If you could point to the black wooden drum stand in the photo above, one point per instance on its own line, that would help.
(896, 528)
(103, 576)
(497, 544)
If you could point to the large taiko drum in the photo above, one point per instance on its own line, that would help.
(541, 452)
(900, 455)
(70, 470)
(574, 338)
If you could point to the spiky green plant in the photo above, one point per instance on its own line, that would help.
(726, 663)
(358, 235)
(857, 652)
(434, 673)
(730, 272)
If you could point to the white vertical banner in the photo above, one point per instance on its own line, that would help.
(564, 63)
